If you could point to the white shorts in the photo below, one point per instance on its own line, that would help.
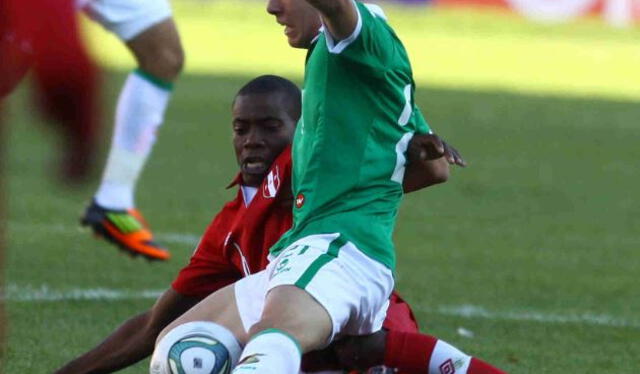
(126, 18)
(352, 287)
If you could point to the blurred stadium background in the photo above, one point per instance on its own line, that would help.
(528, 258)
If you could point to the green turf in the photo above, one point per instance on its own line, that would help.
(544, 220)
(449, 48)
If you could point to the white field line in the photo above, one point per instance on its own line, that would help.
(474, 311)
(15, 293)
(167, 237)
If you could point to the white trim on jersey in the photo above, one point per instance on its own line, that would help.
(376, 11)
(342, 44)
(334, 48)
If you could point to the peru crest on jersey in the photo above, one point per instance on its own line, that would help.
(270, 188)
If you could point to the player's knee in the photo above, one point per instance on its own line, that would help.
(165, 62)
(311, 329)
(195, 347)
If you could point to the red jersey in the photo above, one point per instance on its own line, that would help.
(237, 241)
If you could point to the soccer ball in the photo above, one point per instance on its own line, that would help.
(199, 354)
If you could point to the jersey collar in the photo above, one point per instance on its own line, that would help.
(236, 181)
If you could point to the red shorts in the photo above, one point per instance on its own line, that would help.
(400, 316)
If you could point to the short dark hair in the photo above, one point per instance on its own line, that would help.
(267, 84)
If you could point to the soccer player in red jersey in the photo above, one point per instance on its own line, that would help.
(44, 35)
(236, 242)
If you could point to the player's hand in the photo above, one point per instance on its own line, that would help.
(452, 155)
(425, 147)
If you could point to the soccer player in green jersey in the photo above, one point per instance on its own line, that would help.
(330, 276)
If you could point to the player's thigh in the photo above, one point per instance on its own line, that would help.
(295, 311)
(219, 307)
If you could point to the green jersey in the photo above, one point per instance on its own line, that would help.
(358, 116)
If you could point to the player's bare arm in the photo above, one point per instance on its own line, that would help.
(429, 158)
(340, 17)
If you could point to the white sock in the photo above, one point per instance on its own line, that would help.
(140, 111)
(448, 359)
(270, 352)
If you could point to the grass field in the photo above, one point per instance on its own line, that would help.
(533, 247)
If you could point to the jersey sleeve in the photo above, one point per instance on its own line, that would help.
(372, 43)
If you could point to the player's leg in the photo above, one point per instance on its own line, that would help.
(140, 111)
(402, 347)
(292, 323)
(151, 35)
(414, 353)
(319, 288)
(133, 340)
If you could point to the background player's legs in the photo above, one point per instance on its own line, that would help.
(139, 113)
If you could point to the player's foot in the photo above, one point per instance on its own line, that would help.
(125, 228)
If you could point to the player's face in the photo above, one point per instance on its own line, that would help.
(262, 128)
(300, 20)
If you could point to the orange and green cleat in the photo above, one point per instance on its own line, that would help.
(125, 228)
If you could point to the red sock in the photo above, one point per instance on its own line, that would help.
(408, 352)
(411, 353)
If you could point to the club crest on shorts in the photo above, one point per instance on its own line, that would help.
(272, 184)
(299, 201)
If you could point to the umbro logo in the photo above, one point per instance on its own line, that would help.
(447, 367)
(251, 359)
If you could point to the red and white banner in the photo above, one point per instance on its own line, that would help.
(616, 12)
